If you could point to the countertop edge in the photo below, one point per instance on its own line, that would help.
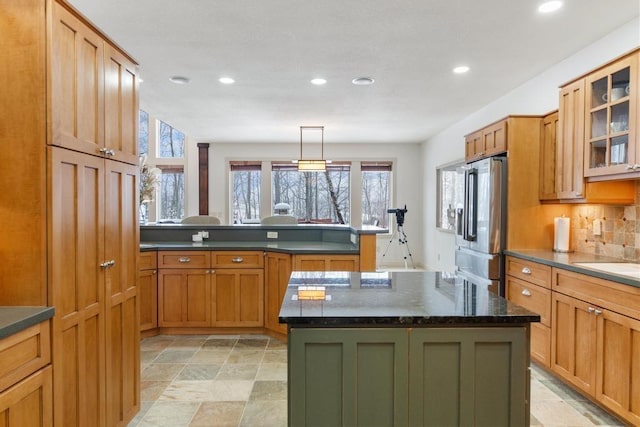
(460, 321)
(231, 246)
(22, 318)
(551, 259)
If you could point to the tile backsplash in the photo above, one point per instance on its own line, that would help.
(620, 229)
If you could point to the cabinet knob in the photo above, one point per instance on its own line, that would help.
(108, 264)
(597, 312)
(184, 259)
(154, 272)
(526, 270)
(591, 309)
(237, 260)
(212, 272)
(578, 194)
(104, 150)
(526, 292)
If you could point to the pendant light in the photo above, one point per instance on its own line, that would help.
(312, 165)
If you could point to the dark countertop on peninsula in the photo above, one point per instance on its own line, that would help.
(312, 247)
(396, 299)
(14, 319)
(567, 261)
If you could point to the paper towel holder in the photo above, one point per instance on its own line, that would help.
(562, 235)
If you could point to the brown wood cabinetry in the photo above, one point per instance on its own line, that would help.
(74, 214)
(25, 378)
(277, 273)
(596, 340)
(548, 140)
(184, 297)
(309, 262)
(148, 290)
(528, 285)
(489, 141)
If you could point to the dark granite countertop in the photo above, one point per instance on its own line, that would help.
(297, 247)
(17, 318)
(395, 299)
(567, 261)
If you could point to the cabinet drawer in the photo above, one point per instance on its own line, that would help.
(235, 259)
(530, 271)
(148, 260)
(623, 299)
(531, 297)
(24, 353)
(184, 259)
(541, 344)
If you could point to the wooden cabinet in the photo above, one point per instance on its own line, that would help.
(277, 273)
(528, 285)
(486, 142)
(417, 376)
(74, 228)
(596, 340)
(148, 290)
(309, 262)
(184, 297)
(611, 118)
(548, 140)
(25, 378)
(238, 288)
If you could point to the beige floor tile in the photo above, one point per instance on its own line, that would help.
(170, 414)
(161, 371)
(226, 391)
(211, 357)
(265, 413)
(188, 391)
(156, 343)
(275, 356)
(558, 414)
(150, 391)
(218, 414)
(275, 344)
(540, 392)
(237, 371)
(272, 371)
(245, 356)
(175, 356)
(269, 390)
(252, 343)
(198, 372)
(147, 356)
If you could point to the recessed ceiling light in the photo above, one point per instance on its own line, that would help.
(179, 80)
(461, 69)
(226, 80)
(550, 6)
(318, 82)
(362, 81)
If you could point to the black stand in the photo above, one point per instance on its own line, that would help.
(402, 241)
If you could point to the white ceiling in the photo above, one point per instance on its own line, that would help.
(273, 48)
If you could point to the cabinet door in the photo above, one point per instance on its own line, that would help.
(122, 312)
(473, 146)
(148, 299)
(548, 157)
(238, 297)
(494, 138)
(76, 286)
(618, 372)
(121, 106)
(348, 377)
(326, 263)
(573, 341)
(569, 151)
(184, 297)
(468, 377)
(277, 273)
(28, 403)
(610, 119)
(77, 111)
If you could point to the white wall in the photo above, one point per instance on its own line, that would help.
(537, 96)
(407, 186)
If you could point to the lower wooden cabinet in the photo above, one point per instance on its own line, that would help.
(277, 273)
(415, 377)
(184, 297)
(148, 290)
(28, 403)
(238, 297)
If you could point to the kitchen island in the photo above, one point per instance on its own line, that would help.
(405, 348)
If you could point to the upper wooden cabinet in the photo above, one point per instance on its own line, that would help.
(93, 91)
(548, 142)
(611, 94)
(486, 142)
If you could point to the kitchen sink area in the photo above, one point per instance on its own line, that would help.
(630, 269)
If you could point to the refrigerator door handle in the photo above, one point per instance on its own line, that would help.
(471, 205)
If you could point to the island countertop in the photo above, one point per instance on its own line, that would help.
(394, 299)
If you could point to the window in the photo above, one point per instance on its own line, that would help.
(171, 141)
(245, 179)
(171, 192)
(143, 133)
(315, 197)
(376, 193)
(449, 185)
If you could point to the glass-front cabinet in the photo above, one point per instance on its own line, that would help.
(610, 121)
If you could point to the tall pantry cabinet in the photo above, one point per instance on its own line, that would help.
(70, 191)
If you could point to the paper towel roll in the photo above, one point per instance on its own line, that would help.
(561, 227)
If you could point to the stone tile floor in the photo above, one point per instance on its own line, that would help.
(241, 380)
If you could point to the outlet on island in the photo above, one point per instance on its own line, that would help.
(272, 234)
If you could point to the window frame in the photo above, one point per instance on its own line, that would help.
(441, 211)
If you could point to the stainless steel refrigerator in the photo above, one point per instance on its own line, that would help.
(481, 222)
